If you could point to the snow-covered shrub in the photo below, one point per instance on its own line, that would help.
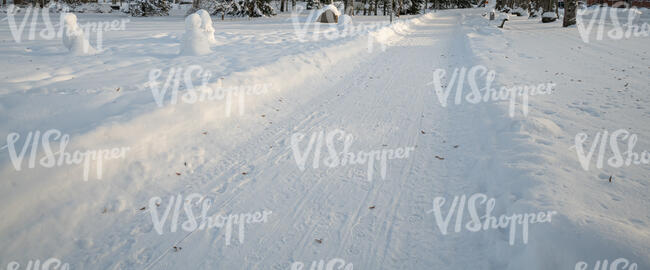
(92, 8)
(253, 8)
(195, 42)
(73, 36)
(58, 7)
(238, 8)
(534, 13)
(549, 17)
(77, 6)
(518, 11)
(149, 8)
(206, 26)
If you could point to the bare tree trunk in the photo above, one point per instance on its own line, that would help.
(281, 5)
(376, 2)
(570, 8)
(385, 6)
(293, 4)
(401, 5)
(365, 2)
(499, 5)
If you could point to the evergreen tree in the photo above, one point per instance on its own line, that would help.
(413, 6)
(145, 8)
(313, 4)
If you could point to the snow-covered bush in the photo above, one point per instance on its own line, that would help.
(534, 13)
(145, 8)
(518, 11)
(58, 7)
(73, 37)
(77, 7)
(195, 42)
(206, 26)
(237, 8)
(252, 8)
(549, 17)
(92, 8)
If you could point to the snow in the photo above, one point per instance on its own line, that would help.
(206, 26)
(344, 20)
(244, 162)
(73, 36)
(501, 16)
(196, 40)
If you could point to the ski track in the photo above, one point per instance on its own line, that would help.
(401, 200)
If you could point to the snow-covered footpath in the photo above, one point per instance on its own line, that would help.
(439, 142)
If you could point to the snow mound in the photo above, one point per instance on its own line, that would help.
(73, 37)
(206, 26)
(344, 20)
(195, 41)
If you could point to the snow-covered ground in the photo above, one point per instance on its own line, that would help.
(243, 155)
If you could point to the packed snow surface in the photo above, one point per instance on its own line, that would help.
(377, 86)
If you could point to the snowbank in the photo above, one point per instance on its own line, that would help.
(502, 16)
(73, 37)
(195, 41)
(344, 20)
